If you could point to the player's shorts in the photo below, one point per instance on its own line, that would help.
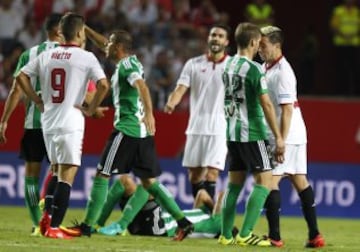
(148, 221)
(65, 148)
(250, 156)
(295, 160)
(32, 147)
(123, 154)
(205, 151)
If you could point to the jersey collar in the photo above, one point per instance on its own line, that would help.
(269, 66)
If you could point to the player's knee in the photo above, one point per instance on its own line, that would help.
(212, 174)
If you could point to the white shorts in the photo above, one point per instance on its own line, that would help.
(64, 148)
(295, 160)
(205, 151)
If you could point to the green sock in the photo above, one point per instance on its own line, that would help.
(133, 206)
(228, 210)
(115, 193)
(96, 201)
(166, 200)
(253, 209)
(32, 199)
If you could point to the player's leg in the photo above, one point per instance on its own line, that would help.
(68, 150)
(258, 163)
(196, 178)
(120, 187)
(33, 152)
(272, 211)
(213, 157)
(306, 194)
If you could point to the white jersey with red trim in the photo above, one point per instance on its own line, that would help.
(204, 78)
(64, 73)
(281, 83)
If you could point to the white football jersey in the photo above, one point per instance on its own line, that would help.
(204, 78)
(281, 83)
(64, 73)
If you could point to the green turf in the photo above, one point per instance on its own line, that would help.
(340, 234)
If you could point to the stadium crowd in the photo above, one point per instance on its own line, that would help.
(160, 29)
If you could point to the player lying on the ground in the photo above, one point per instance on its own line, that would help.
(151, 219)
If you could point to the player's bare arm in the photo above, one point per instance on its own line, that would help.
(175, 98)
(12, 101)
(24, 82)
(99, 40)
(285, 120)
(99, 111)
(145, 97)
(102, 87)
(270, 116)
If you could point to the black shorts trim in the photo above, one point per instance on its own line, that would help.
(123, 154)
(250, 156)
(32, 146)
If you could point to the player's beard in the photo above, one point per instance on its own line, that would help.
(216, 48)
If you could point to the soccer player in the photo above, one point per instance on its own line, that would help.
(282, 91)
(205, 148)
(32, 148)
(64, 73)
(246, 105)
(152, 220)
(131, 145)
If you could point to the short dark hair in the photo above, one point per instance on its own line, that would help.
(70, 24)
(52, 21)
(274, 34)
(123, 37)
(222, 26)
(245, 32)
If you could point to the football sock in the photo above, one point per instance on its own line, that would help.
(228, 210)
(133, 206)
(32, 199)
(254, 205)
(116, 191)
(50, 193)
(166, 200)
(210, 187)
(196, 187)
(60, 203)
(309, 211)
(272, 211)
(45, 184)
(96, 201)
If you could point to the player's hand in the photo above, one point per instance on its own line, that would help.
(99, 112)
(3, 127)
(149, 122)
(279, 150)
(85, 110)
(40, 106)
(169, 108)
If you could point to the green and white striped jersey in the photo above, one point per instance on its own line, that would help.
(244, 83)
(129, 109)
(205, 224)
(32, 114)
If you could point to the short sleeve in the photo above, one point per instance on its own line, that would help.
(185, 76)
(32, 68)
(96, 71)
(285, 94)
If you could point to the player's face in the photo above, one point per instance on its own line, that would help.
(110, 49)
(256, 45)
(217, 40)
(266, 49)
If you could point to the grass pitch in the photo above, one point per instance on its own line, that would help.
(340, 235)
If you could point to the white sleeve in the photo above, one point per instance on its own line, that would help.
(96, 71)
(31, 69)
(134, 76)
(185, 76)
(286, 89)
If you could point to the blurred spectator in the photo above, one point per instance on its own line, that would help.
(345, 24)
(30, 35)
(259, 12)
(161, 80)
(11, 21)
(204, 16)
(182, 19)
(113, 14)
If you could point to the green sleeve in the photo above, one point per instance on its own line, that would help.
(23, 60)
